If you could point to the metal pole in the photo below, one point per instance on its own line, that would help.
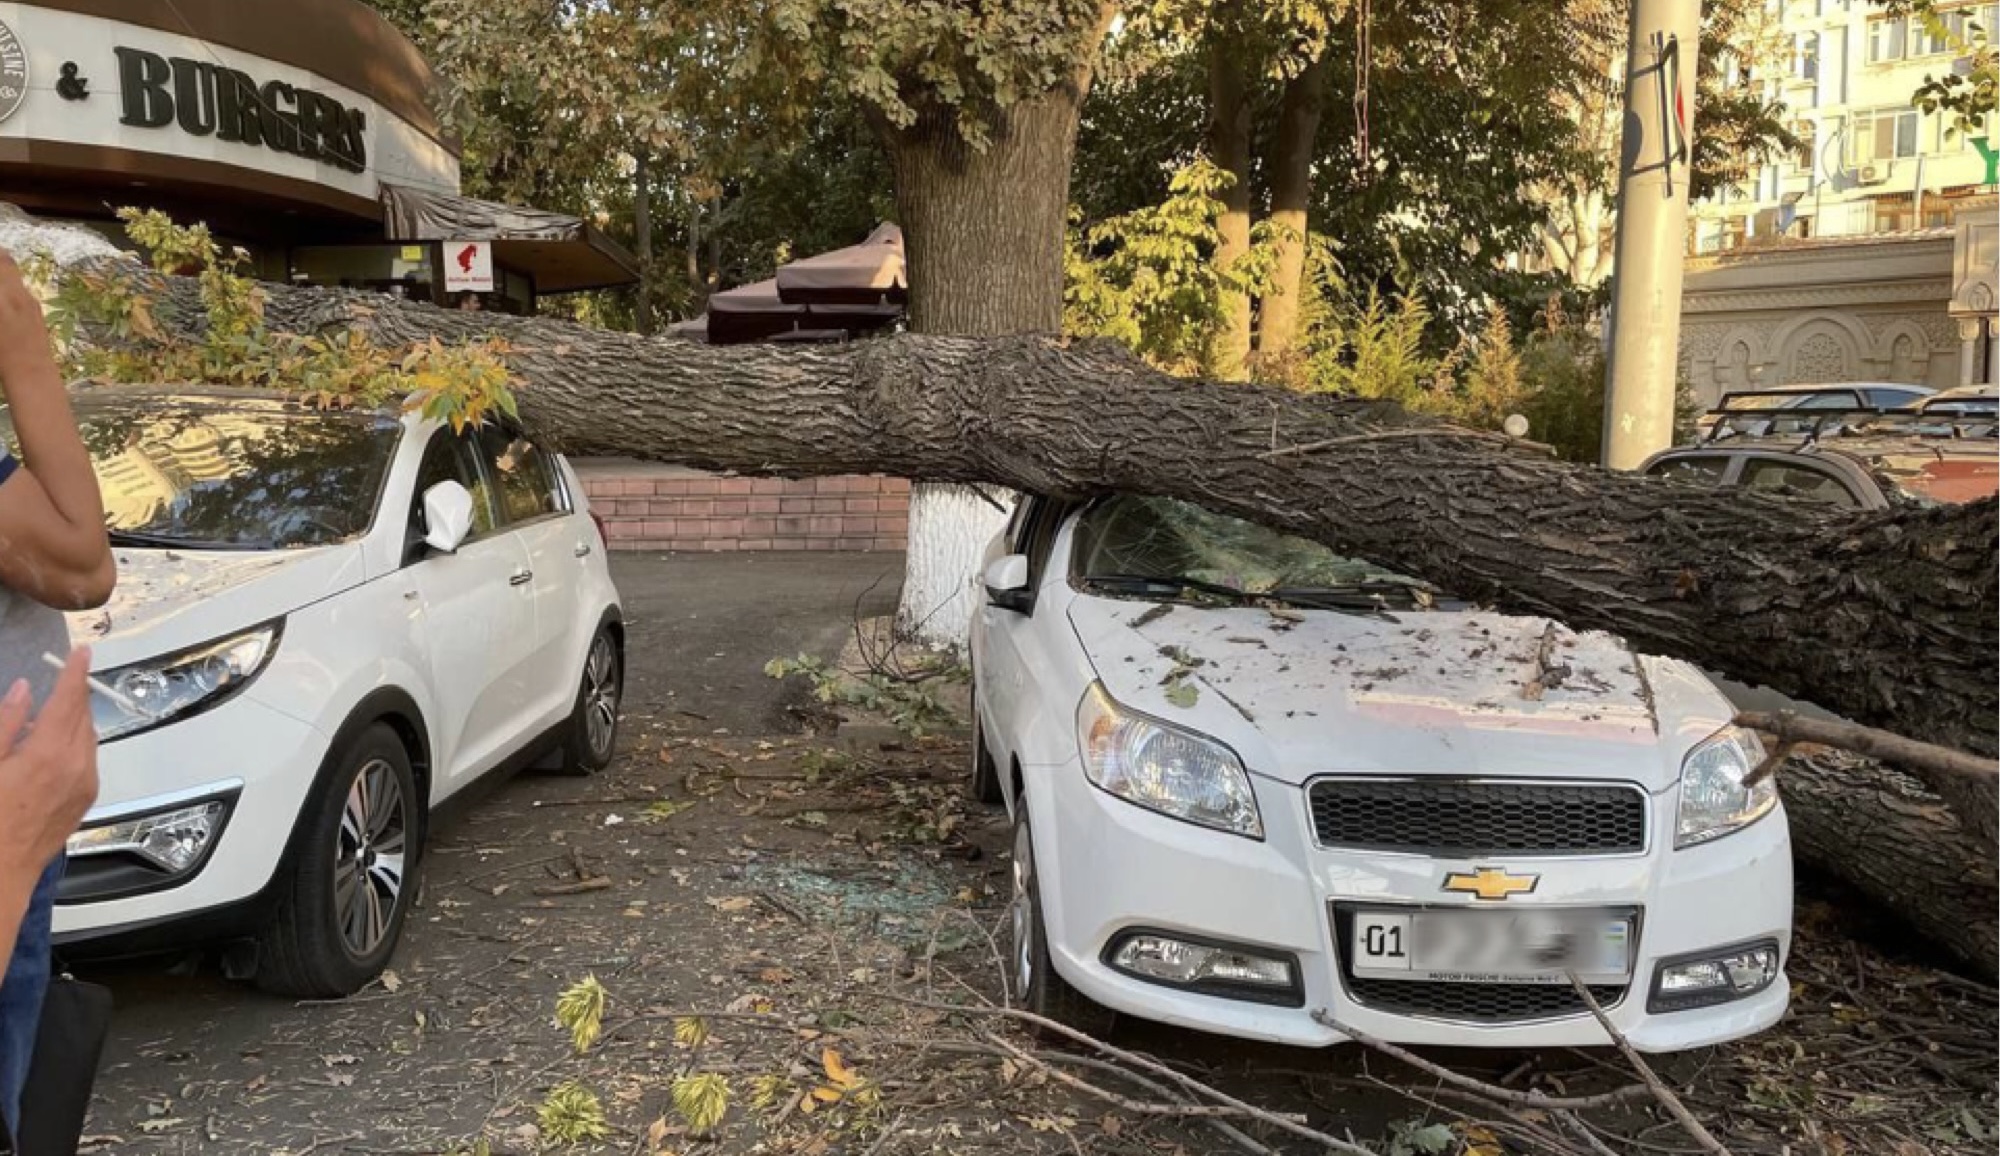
(1654, 168)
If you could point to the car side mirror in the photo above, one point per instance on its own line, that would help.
(447, 517)
(1007, 584)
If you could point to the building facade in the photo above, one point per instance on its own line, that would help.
(1870, 162)
(303, 132)
(1870, 254)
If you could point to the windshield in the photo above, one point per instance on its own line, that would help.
(1126, 541)
(199, 473)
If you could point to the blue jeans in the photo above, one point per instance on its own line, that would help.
(21, 992)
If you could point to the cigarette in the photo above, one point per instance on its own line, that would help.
(99, 686)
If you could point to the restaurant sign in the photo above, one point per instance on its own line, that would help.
(203, 98)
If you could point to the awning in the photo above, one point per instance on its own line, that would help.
(562, 253)
(755, 312)
(871, 273)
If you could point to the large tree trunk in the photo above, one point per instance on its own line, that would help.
(1229, 149)
(1291, 193)
(1884, 834)
(983, 230)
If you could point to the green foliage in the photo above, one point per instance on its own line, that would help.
(108, 327)
(580, 1008)
(1373, 349)
(1148, 278)
(701, 1100)
(1971, 89)
(572, 1114)
(1416, 1138)
(909, 704)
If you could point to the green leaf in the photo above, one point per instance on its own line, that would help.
(1183, 694)
(701, 1100)
(580, 1008)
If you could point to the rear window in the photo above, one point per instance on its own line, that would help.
(1704, 470)
(198, 473)
(1798, 481)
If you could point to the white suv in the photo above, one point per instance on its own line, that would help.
(1252, 781)
(326, 623)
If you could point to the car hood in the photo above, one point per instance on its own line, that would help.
(167, 600)
(1434, 692)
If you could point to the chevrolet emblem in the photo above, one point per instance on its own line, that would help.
(1492, 883)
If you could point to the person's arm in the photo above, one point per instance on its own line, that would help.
(48, 781)
(52, 542)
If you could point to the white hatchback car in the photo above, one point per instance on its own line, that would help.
(1345, 793)
(326, 623)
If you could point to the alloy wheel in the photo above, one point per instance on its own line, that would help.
(369, 857)
(600, 696)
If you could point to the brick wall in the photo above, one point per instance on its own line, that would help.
(669, 508)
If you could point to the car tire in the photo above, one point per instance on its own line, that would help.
(985, 771)
(1033, 981)
(592, 741)
(340, 914)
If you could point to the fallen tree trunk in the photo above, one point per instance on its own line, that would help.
(1882, 833)
(1887, 618)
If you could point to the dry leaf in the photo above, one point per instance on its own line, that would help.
(732, 903)
(392, 982)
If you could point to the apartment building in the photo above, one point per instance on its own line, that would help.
(1870, 163)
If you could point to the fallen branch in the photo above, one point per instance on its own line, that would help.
(1789, 728)
(1661, 1092)
(579, 887)
(1528, 1099)
(1286, 1122)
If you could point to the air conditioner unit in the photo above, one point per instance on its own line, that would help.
(1875, 174)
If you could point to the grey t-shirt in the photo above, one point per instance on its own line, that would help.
(28, 629)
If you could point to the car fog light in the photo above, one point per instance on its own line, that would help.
(172, 841)
(1714, 978)
(1217, 969)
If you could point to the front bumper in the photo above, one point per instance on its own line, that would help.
(261, 761)
(1107, 867)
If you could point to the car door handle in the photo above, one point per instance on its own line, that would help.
(520, 577)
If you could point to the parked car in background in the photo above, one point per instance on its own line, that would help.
(1962, 401)
(326, 624)
(1860, 395)
(1251, 779)
(1864, 461)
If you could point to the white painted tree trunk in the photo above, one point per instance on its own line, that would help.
(950, 527)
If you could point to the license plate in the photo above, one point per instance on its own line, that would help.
(1528, 946)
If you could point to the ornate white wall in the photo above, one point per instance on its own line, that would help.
(1886, 308)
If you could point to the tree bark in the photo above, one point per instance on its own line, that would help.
(1882, 833)
(642, 237)
(1291, 193)
(983, 235)
(1229, 149)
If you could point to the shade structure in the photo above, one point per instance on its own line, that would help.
(870, 273)
(756, 312)
(563, 253)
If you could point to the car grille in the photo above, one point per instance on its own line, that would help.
(1486, 1003)
(1458, 819)
(1480, 1003)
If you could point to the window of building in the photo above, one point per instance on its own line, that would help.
(1894, 215)
(1734, 230)
(1882, 135)
(1887, 39)
(1805, 56)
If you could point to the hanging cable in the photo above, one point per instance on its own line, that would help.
(1363, 52)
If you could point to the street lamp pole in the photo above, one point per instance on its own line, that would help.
(1655, 164)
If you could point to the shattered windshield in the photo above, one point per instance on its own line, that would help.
(1142, 545)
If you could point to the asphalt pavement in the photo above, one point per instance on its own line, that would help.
(701, 627)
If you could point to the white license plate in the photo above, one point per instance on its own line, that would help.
(1523, 946)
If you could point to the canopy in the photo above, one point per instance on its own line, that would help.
(756, 312)
(871, 273)
(562, 253)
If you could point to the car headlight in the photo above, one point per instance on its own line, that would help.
(1164, 768)
(161, 689)
(1713, 799)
